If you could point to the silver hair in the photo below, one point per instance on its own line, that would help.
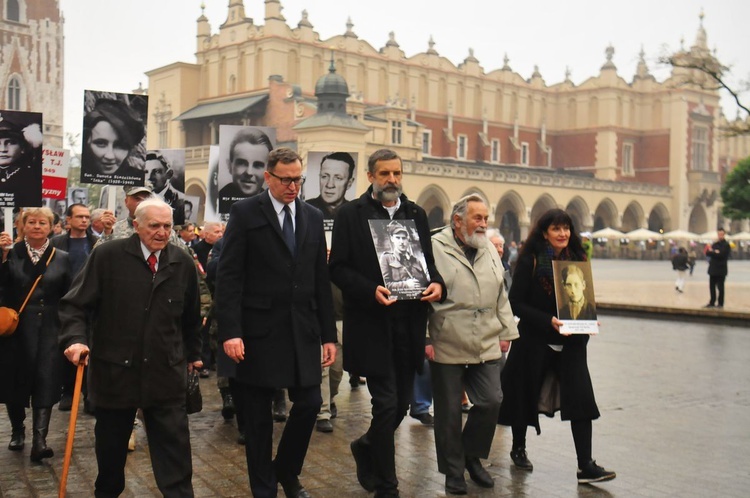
(495, 233)
(462, 207)
(152, 202)
(97, 213)
(210, 224)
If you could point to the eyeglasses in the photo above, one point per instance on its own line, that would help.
(286, 181)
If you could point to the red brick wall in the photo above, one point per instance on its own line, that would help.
(573, 150)
(41, 9)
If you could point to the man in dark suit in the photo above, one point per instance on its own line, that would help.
(141, 294)
(275, 310)
(385, 339)
(717, 256)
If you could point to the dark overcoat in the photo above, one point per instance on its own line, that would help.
(145, 328)
(355, 269)
(280, 305)
(30, 360)
(523, 374)
(717, 261)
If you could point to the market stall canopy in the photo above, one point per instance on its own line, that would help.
(681, 235)
(739, 237)
(708, 236)
(643, 234)
(607, 233)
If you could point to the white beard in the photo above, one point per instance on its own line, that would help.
(476, 240)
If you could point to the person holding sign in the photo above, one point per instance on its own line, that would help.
(547, 371)
(384, 338)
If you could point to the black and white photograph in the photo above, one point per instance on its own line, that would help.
(165, 174)
(331, 182)
(121, 211)
(190, 208)
(20, 159)
(114, 138)
(211, 211)
(400, 256)
(78, 195)
(574, 294)
(243, 153)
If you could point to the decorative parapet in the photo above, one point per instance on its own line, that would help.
(523, 176)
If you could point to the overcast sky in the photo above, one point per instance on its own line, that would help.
(109, 44)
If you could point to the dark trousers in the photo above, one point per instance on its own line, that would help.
(716, 282)
(290, 454)
(482, 384)
(168, 441)
(391, 396)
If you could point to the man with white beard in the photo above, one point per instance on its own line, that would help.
(466, 330)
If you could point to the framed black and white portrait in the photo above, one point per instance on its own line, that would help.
(165, 174)
(331, 182)
(114, 138)
(20, 159)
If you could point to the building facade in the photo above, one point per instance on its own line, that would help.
(614, 153)
(31, 62)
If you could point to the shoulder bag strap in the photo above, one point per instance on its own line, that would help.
(33, 287)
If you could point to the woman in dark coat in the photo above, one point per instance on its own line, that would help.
(542, 354)
(30, 358)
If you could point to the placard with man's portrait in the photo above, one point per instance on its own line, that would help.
(114, 138)
(243, 154)
(20, 159)
(574, 294)
(165, 174)
(331, 182)
(400, 256)
(78, 195)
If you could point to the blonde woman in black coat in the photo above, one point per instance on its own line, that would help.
(31, 355)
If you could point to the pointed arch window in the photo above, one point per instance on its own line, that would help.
(13, 12)
(14, 94)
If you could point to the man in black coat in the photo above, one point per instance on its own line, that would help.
(385, 338)
(142, 296)
(273, 298)
(717, 255)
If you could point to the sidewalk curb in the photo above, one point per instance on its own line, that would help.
(711, 315)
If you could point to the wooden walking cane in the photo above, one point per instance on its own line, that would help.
(72, 424)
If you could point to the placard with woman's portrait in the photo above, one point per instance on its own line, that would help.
(20, 159)
(114, 138)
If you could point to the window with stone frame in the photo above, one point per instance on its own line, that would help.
(628, 150)
(427, 142)
(700, 148)
(462, 145)
(396, 132)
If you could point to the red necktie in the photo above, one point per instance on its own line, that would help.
(151, 260)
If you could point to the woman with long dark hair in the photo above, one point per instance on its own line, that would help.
(30, 359)
(547, 371)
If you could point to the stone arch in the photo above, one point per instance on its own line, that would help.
(606, 215)
(510, 213)
(632, 217)
(659, 219)
(698, 220)
(196, 188)
(436, 204)
(477, 191)
(544, 203)
(580, 213)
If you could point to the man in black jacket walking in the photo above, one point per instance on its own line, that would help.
(717, 255)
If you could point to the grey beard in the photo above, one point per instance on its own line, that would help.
(384, 195)
(475, 240)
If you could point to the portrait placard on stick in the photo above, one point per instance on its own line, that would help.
(165, 173)
(574, 294)
(55, 172)
(330, 183)
(243, 154)
(114, 138)
(402, 262)
(20, 159)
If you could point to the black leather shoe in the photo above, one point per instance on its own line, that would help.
(520, 459)
(279, 413)
(17, 439)
(241, 439)
(324, 426)
(478, 473)
(66, 402)
(455, 485)
(227, 409)
(425, 418)
(365, 474)
(293, 488)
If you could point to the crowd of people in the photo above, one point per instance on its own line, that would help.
(266, 303)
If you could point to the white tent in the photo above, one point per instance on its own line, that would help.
(708, 236)
(681, 235)
(739, 237)
(607, 233)
(643, 234)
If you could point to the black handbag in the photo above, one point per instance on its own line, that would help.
(194, 399)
